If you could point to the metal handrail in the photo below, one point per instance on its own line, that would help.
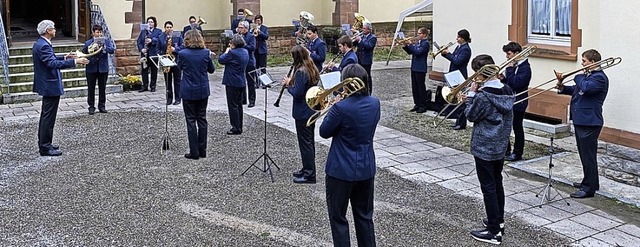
(97, 18)
(4, 54)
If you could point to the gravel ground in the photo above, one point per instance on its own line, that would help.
(113, 187)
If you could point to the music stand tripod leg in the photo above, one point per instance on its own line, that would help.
(546, 190)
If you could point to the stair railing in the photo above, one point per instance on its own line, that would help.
(4, 54)
(97, 18)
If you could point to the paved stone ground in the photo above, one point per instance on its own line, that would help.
(129, 194)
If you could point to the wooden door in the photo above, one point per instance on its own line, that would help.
(84, 20)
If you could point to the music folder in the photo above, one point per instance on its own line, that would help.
(164, 61)
(454, 78)
(265, 79)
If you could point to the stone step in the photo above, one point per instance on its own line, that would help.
(18, 68)
(29, 76)
(68, 93)
(21, 87)
(26, 59)
(62, 49)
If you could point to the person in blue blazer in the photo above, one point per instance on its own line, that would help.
(195, 61)
(172, 78)
(47, 83)
(235, 60)
(239, 18)
(345, 45)
(193, 24)
(517, 76)
(587, 98)
(250, 46)
(459, 60)
(98, 69)
(419, 52)
(366, 44)
(306, 75)
(261, 43)
(148, 45)
(316, 47)
(351, 162)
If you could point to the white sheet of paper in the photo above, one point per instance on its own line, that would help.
(265, 79)
(166, 62)
(329, 80)
(454, 78)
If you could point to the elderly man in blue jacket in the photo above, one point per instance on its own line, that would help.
(98, 69)
(587, 98)
(235, 60)
(365, 44)
(48, 83)
(351, 163)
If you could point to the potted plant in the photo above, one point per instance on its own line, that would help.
(129, 82)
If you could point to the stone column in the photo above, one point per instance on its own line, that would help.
(134, 17)
(344, 12)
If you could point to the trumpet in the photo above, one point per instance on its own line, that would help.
(318, 99)
(255, 28)
(441, 49)
(405, 41)
(600, 65)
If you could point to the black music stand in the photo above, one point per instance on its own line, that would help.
(164, 61)
(265, 80)
(546, 190)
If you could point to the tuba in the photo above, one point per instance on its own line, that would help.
(305, 22)
(201, 21)
(319, 99)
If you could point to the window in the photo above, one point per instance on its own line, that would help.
(549, 22)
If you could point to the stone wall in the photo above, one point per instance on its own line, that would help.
(621, 164)
(280, 42)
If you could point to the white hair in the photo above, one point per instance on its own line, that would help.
(367, 25)
(44, 25)
(244, 24)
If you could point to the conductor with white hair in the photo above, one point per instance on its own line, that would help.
(48, 84)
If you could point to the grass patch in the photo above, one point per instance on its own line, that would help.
(379, 54)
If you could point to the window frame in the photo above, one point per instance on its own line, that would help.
(552, 38)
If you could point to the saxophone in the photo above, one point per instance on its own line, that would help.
(169, 53)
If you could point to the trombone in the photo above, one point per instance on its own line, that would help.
(488, 71)
(601, 65)
(318, 99)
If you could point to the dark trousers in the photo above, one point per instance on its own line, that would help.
(490, 177)
(261, 61)
(47, 122)
(306, 143)
(518, 130)
(367, 67)
(251, 86)
(360, 194)
(145, 74)
(172, 82)
(195, 113)
(461, 119)
(587, 141)
(419, 88)
(234, 105)
(101, 78)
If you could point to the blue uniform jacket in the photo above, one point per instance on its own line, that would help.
(419, 52)
(348, 58)
(587, 97)
(318, 52)
(176, 42)
(366, 45)
(195, 63)
(302, 83)
(154, 35)
(351, 123)
(459, 58)
(235, 67)
(46, 69)
(187, 28)
(99, 63)
(261, 39)
(518, 80)
(250, 46)
(234, 24)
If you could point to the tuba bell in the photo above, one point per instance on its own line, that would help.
(321, 100)
(201, 21)
(247, 12)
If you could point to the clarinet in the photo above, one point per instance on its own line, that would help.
(277, 103)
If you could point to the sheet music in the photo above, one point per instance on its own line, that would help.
(329, 80)
(166, 62)
(454, 78)
(265, 79)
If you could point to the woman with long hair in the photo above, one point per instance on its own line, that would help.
(305, 76)
(194, 62)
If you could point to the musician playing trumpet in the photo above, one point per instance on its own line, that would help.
(349, 56)
(98, 68)
(419, 51)
(306, 75)
(366, 43)
(587, 97)
(261, 32)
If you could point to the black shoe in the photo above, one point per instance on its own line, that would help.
(188, 156)
(415, 108)
(298, 174)
(581, 194)
(51, 152)
(103, 111)
(55, 146)
(203, 155)
(485, 223)
(458, 127)
(92, 111)
(577, 185)
(177, 102)
(487, 237)
(168, 103)
(233, 132)
(143, 90)
(421, 110)
(153, 90)
(513, 157)
(305, 180)
(251, 105)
